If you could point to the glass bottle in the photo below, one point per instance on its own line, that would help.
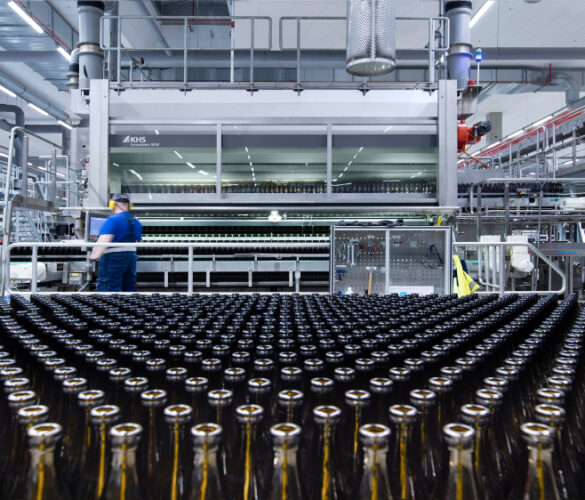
(461, 484)
(92, 478)
(424, 401)
(488, 482)
(285, 483)
(13, 480)
(356, 400)
(290, 401)
(221, 400)
(540, 480)
(330, 480)
(133, 388)
(81, 439)
(247, 476)
(207, 480)
(381, 391)
(565, 462)
(374, 482)
(407, 479)
(43, 479)
(122, 480)
(175, 378)
(171, 480)
(153, 401)
(197, 387)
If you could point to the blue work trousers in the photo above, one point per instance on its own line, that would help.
(117, 272)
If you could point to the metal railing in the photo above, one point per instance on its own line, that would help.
(435, 24)
(492, 272)
(190, 257)
(437, 42)
(186, 22)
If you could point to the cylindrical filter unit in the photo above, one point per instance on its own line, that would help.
(460, 50)
(371, 37)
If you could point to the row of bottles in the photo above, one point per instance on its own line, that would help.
(371, 187)
(268, 396)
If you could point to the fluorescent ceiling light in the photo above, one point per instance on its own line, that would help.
(516, 134)
(349, 164)
(251, 164)
(203, 172)
(66, 125)
(6, 91)
(61, 175)
(346, 168)
(334, 180)
(246, 148)
(64, 53)
(178, 154)
(135, 173)
(360, 149)
(189, 164)
(387, 129)
(30, 164)
(354, 156)
(274, 216)
(480, 13)
(39, 110)
(540, 122)
(25, 16)
(249, 159)
(3, 155)
(252, 169)
(340, 175)
(156, 131)
(115, 164)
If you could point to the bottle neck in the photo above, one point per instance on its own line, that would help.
(123, 477)
(541, 476)
(375, 473)
(285, 464)
(461, 476)
(42, 477)
(205, 469)
(176, 438)
(327, 458)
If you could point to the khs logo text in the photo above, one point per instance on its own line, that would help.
(132, 139)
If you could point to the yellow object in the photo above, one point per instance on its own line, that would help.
(112, 205)
(440, 220)
(462, 282)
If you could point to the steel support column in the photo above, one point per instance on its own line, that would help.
(447, 134)
(99, 164)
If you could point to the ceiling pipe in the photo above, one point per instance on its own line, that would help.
(460, 51)
(19, 122)
(152, 24)
(73, 75)
(91, 57)
(27, 95)
(572, 89)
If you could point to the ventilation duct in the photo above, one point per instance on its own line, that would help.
(460, 50)
(371, 37)
(90, 55)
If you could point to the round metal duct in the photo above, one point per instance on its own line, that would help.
(371, 37)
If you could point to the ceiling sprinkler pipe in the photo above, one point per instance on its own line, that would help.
(90, 55)
(460, 51)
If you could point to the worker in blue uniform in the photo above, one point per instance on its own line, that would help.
(117, 265)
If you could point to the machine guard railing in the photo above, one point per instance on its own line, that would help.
(492, 273)
(436, 25)
(5, 281)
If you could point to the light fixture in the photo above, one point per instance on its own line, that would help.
(115, 164)
(30, 164)
(252, 169)
(360, 149)
(61, 175)
(540, 122)
(349, 164)
(6, 91)
(203, 172)
(135, 173)
(274, 216)
(64, 53)
(3, 155)
(189, 164)
(340, 175)
(178, 154)
(354, 157)
(251, 164)
(246, 148)
(156, 132)
(334, 180)
(249, 159)
(25, 16)
(37, 109)
(346, 168)
(480, 13)
(66, 125)
(387, 129)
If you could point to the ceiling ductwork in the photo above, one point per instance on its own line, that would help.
(91, 57)
(371, 37)
(460, 49)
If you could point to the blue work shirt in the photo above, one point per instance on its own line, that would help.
(118, 226)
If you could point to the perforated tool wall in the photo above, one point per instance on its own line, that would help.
(379, 260)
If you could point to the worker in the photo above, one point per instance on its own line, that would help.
(117, 265)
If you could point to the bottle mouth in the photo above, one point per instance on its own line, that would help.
(423, 397)
(105, 413)
(374, 433)
(178, 413)
(249, 413)
(537, 433)
(91, 397)
(403, 413)
(285, 431)
(327, 414)
(46, 433)
(548, 413)
(206, 433)
(19, 398)
(33, 413)
(456, 434)
(125, 433)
